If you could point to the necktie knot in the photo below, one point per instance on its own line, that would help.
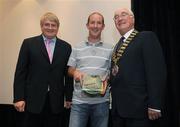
(48, 41)
(122, 39)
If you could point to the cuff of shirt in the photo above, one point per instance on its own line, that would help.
(157, 110)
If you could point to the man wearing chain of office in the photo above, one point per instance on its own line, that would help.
(138, 75)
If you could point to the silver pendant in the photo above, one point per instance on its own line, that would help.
(115, 70)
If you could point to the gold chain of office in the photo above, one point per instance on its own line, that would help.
(118, 54)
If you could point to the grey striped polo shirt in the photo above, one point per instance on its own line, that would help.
(92, 59)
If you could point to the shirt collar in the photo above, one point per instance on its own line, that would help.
(99, 43)
(53, 39)
(126, 35)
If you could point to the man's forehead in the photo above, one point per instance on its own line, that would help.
(49, 21)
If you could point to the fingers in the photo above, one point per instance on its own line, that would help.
(67, 104)
(21, 109)
(19, 106)
(78, 75)
(153, 115)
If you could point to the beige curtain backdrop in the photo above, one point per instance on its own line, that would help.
(20, 19)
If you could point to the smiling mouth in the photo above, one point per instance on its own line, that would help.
(95, 31)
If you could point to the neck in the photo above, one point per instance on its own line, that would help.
(93, 40)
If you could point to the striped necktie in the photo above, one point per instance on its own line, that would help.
(121, 41)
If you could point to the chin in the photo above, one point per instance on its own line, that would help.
(50, 36)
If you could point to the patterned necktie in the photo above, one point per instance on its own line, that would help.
(49, 49)
(120, 43)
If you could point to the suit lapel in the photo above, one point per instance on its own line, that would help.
(57, 51)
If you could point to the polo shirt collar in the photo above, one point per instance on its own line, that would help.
(99, 43)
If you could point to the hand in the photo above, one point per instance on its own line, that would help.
(19, 106)
(104, 87)
(67, 104)
(78, 75)
(153, 115)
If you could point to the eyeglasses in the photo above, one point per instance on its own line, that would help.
(122, 15)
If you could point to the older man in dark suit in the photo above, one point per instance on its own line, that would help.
(39, 86)
(138, 74)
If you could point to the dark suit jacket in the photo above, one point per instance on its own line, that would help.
(141, 79)
(34, 73)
